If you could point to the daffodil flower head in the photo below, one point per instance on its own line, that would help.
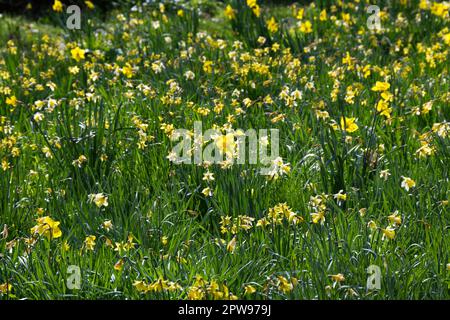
(47, 227)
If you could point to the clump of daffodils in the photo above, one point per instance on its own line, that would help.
(159, 285)
(395, 220)
(278, 214)
(233, 225)
(319, 207)
(282, 283)
(201, 289)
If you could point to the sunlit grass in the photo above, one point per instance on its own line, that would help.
(95, 153)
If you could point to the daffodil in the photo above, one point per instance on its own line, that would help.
(48, 227)
(141, 286)
(251, 3)
(74, 70)
(208, 176)
(89, 242)
(207, 192)
(384, 174)
(229, 12)
(66, 246)
(338, 277)
(349, 124)
(207, 66)
(57, 6)
(323, 15)
(231, 246)
(440, 9)
(107, 225)
(196, 293)
(89, 4)
(388, 233)
(5, 288)
(285, 285)
(407, 183)
(425, 150)
(79, 161)
(272, 25)
(226, 144)
(372, 225)
(395, 218)
(249, 289)
(278, 168)
(119, 265)
(100, 199)
(383, 108)
(318, 217)
(189, 75)
(381, 86)
(340, 196)
(256, 10)
(127, 70)
(77, 54)
(11, 101)
(306, 27)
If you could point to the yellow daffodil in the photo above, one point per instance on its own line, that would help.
(77, 54)
(11, 101)
(207, 192)
(100, 199)
(119, 265)
(107, 225)
(48, 227)
(388, 233)
(89, 4)
(207, 66)
(127, 70)
(318, 217)
(231, 246)
(249, 289)
(272, 25)
(340, 196)
(57, 6)
(338, 277)
(5, 288)
(141, 286)
(229, 12)
(372, 225)
(66, 246)
(348, 124)
(395, 218)
(407, 183)
(226, 144)
(89, 242)
(285, 285)
(381, 86)
(306, 27)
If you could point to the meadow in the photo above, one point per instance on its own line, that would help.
(96, 204)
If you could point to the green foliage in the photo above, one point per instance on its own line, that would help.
(104, 128)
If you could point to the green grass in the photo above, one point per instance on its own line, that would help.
(151, 198)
